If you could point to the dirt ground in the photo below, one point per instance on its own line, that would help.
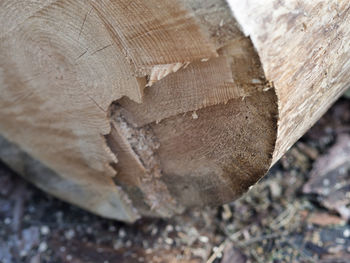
(300, 212)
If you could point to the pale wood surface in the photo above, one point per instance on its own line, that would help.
(151, 107)
(304, 49)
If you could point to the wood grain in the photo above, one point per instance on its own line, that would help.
(150, 107)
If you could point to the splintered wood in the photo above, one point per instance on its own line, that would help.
(146, 108)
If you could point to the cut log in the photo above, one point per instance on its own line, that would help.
(147, 108)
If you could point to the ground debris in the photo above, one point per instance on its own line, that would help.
(232, 254)
(330, 178)
(322, 218)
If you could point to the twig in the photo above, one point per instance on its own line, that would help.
(216, 253)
